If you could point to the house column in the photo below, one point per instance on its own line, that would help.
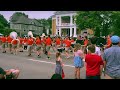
(47, 31)
(74, 32)
(59, 20)
(56, 21)
(71, 20)
(70, 31)
(56, 25)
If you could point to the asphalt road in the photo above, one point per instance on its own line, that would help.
(37, 68)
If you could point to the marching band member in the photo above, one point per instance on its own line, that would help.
(109, 43)
(48, 45)
(25, 43)
(43, 40)
(21, 44)
(72, 44)
(58, 44)
(15, 43)
(53, 44)
(67, 46)
(9, 44)
(30, 45)
(38, 48)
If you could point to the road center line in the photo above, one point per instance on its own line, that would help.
(48, 62)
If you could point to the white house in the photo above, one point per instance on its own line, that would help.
(63, 23)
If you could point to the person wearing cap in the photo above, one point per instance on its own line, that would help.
(111, 59)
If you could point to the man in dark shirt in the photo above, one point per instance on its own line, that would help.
(79, 40)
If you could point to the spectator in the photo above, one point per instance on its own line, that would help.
(9, 74)
(59, 64)
(97, 49)
(78, 60)
(94, 64)
(111, 59)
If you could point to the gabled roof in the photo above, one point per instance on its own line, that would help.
(24, 20)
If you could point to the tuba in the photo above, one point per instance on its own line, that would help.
(30, 34)
(13, 35)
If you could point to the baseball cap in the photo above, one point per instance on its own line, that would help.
(115, 39)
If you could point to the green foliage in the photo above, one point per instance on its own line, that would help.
(44, 22)
(4, 25)
(6, 31)
(50, 22)
(66, 19)
(115, 27)
(3, 22)
(47, 23)
(99, 21)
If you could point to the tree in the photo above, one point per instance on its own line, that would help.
(96, 20)
(50, 24)
(47, 23)
(3, 24)
(115, 27)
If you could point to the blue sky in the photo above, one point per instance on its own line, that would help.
(31, 14)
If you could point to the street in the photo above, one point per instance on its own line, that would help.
(37, 68)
